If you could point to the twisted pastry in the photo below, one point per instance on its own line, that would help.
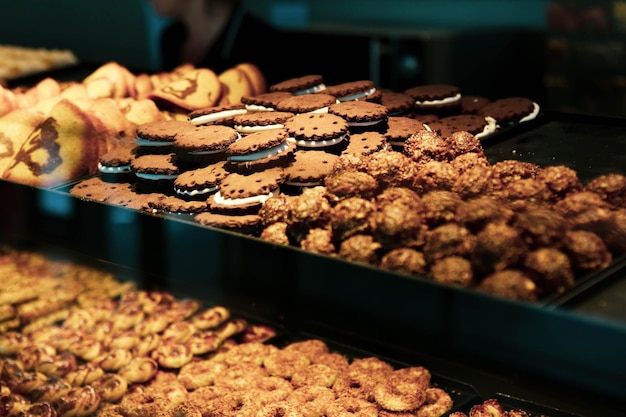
(50, 391)
(153, 324)
(231, 328)
(201, 373)
(58, 365)
(211, 317)
(139, 370)
(38, 410)
(146, 345)
(102, 331)
(489, 407)
(28, 382)
(156, 300)
(12, 404)
(172, 355)
(182, 309)
(12, 342)
(124, 339)
(114, 360)
(87, 348)
(179, 331)
(399, 394)
(314, 374)
(437, 403)
(79, 402)
(200, 343)
(84, 374)
(312, 400)
(111, 387)
(257, 333)
(127, 316)
(7, 311)
(12, 372)
(31, 355)
(79, 319)
(65, 338)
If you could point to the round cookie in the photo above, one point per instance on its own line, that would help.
(161, 132)
(156, 169)
(245, 194)
(317, 130)
(114, 165)
(264, 102)
(95, 188)
(361, 115)
(260, 150)
(215, 114)
(306, 103)
(204, 144)
(352, 90)
(473, 104)
(309, 168)
(260, 121)
(306, 84)
(397, 103)
(176, 205)
(435, 98)
(400, 128)
(365, 143)
(511, 110)
(200, 182)
(134, 198)
(479, 126)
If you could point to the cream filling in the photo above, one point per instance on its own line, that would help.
(489, 128)
(314, 89)
(303, 184)
(532, 115)
(446, 100)
(357, 96)
(145, 142)
(155, 177)
(266, 153)
(113, 170)
(258, 107)
(194, 193)
(319, 143)
(217, 197)
(252, 129)
(206, 152)
(370, 123)
(213, 117)
(320, 110)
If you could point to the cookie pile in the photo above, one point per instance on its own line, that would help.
(392, 185)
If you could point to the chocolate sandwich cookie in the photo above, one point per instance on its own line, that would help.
(114, 165)
(307, 103)
(172, 204)
(260, 121)
(479, 126)
(135, 198)
(309, 169)
(246, 223)
(473, 104)
(365, 143)
(397, 103)
(352, 90)
(511, 110)
(306, 84)
(199, 183)
(361, 115)
(96, 189)
(161, 133)
(204, 144)
(435, 98)
(265, 101)
(216, 114)
(245, 194)
(318, 130)
(260, 150)
(156, 170)
(400, 128)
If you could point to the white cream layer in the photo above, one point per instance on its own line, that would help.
(358, 96)
(217, 197)
(213, 117)
(194, 193)
(113, 170)
(252, 129)
(155, 177)
(266, 153)
(258, 107)
(532, 115)
(446, 100)
(319, 143)
(489, 128)
(314, 89)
